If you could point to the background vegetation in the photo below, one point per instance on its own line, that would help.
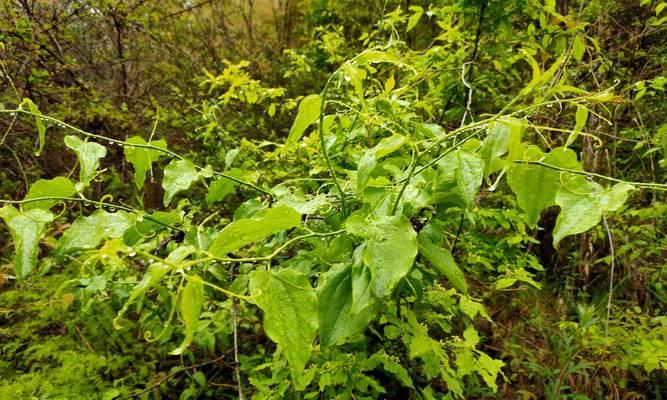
(333, 199)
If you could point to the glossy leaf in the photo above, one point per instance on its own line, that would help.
(192, 300)
(142, 158)
(27, 229)
(391, 248)
(250, 230)
(56, 187)
(89, 154)
(179, 175)
(290, 313)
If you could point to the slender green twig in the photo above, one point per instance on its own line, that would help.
(124, 143)
(100, 203)
(656, 186)
(411, 171)
(323, 103)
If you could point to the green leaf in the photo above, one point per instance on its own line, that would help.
(192, 300)
(41, 129)
(334, 298)
(223, 187)
(145, 227)
(89, 154)
(219, 189)
(88, 232)
(142, 158)
(414, 18)
(442, 259)
(290, 313)
(27, 229)
(309, 112)
(250, 230)
(578, 48)
(362, 282)
(391, 248)
(536, 186)
(501, 136)
(580, 121)
(179, 175)
(582, 205)
(155, 272)
(369, 159)
(56, 187)
(489, 369)
(460, 176)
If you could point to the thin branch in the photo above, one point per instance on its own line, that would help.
(164, 379)
(611, 274)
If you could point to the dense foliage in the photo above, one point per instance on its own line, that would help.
(353, 200)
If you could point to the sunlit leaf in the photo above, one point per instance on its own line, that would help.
(142, 158)
(179, 175)
(56, 187)
(290, 313)
(250, 230)
(89, 154)
(391, 248)
(308, 113)
(27, 229)
(192, 300)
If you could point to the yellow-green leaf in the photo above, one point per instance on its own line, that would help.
(309, 112)
(192, 300)
(56, 187)
(290, 313)
(142, 158)
(250, 230)
(27, 229)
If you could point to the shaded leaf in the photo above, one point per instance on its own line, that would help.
(336, 320)
(442, 259)
(369, 159)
